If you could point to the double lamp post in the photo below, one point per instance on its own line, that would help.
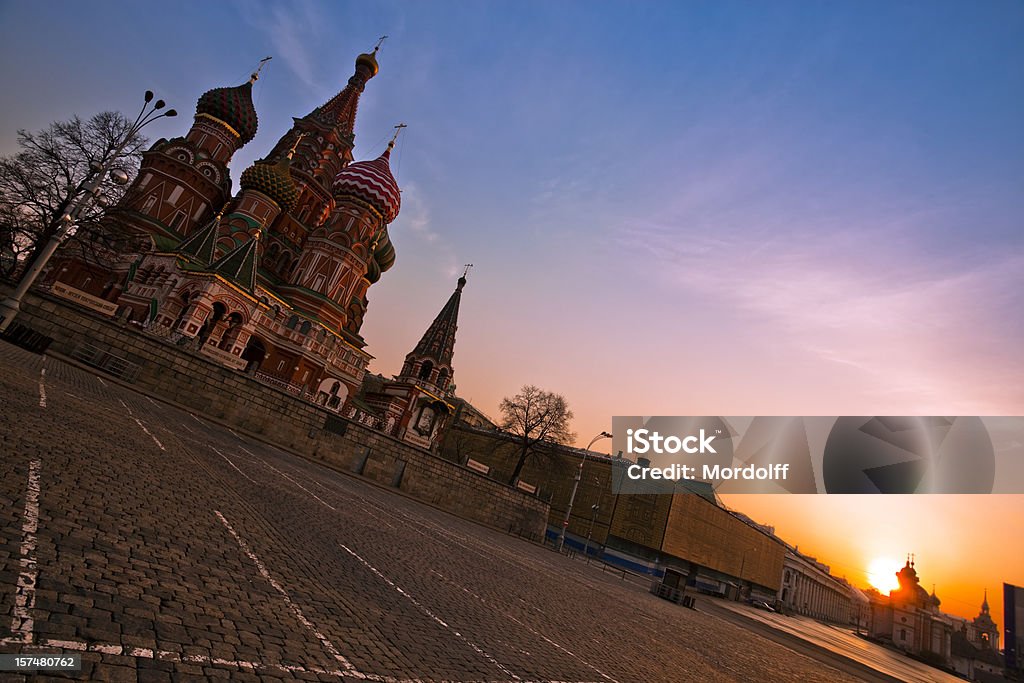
(87, 192)
(575, 487)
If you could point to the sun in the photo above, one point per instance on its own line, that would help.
(882, 574)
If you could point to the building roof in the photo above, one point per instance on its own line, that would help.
(340, 111)
(373, 183)
(232, 106)
(438, 342)
(273, 180)
(239, 264)
(201, 245)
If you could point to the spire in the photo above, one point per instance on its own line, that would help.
(438, 343)
(240, 264)
(202, 244)
(340, 110)
(984, 603)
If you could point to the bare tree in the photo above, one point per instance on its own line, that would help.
(533, 417)
(45, 178)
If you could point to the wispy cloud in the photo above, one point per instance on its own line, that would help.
(415, 219)
(415, 213)
(930, 335)
(292, 30)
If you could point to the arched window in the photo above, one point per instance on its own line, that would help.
(305, 327)
(426, 369)
(292, 322)
(442, 378)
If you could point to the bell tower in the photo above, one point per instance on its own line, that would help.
(322, 142)
(430, 363)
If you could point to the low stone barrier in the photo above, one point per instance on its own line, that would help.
(231, 397)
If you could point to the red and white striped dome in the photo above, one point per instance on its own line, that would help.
(372, 182)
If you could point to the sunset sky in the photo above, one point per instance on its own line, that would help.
(706, 208)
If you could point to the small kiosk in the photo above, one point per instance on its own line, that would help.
(672, 587)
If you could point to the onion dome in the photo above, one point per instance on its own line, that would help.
(371, 182)
(273, 180)
(233, 106)
(368, 60)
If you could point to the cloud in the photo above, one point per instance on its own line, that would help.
(292, 30)
(928, 333)
(415, 214)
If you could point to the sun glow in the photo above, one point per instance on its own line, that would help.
(882, 574)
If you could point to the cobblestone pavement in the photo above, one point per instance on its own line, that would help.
(163, 547)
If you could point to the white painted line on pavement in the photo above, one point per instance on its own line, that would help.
(153, 402)
(22, 623)
(349, 668)
(193, 416)
(168, 656)
(233, 465)
(42, 388)
(316, 497)
(262, 460)
(476, 648)
(100, 380)
(139, 422)
(527, 627)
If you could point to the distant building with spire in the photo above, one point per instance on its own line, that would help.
(273, 279)
(909, 618)
(975, 648)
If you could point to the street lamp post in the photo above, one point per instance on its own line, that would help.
(575, 487)
(86, 192)
(590, 532)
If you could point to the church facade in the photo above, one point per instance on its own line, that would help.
(271, 280)
(909, 618)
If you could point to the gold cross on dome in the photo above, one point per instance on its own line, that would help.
(256, 74)
(398, 129)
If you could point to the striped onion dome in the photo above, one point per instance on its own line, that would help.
(372, 182)
(233, 106)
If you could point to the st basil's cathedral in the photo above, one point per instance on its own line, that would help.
(273, 280)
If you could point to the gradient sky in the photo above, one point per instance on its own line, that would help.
(731, 208)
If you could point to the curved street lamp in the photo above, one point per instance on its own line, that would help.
(87, 191)
(575, 487)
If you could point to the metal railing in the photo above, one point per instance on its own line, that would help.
(99, 358)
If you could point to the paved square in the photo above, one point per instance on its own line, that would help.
(164, 547)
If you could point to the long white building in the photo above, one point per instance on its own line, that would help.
(809, 589)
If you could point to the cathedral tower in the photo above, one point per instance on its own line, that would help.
(430, 363)
(183, 181)
(323, 142)
(348, 252)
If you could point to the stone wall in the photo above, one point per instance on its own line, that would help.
(183, 377)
